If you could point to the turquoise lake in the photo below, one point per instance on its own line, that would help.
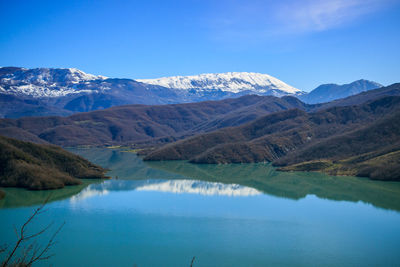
(165, 213)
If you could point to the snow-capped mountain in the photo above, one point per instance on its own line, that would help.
(46, 82)
(50, 91)
(232, 82)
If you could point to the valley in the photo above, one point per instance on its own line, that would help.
(207, 133)
(283, 166)
(252, 128)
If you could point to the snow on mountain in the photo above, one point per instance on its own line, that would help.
(45, 82)
(49, 82)
(233, 82)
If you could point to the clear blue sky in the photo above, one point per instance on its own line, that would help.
(302, 42)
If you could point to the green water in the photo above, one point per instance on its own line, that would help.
(164, 213)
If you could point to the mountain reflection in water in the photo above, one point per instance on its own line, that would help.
(210, 179)
(260, 176)
(168, 186)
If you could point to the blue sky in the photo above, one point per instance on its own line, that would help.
(302, 42)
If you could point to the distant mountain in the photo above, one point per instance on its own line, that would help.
(391, 90)
(46, 82)
(230, 82)
(62, 92)
(329, 92)
(12, 106)
(46, 91)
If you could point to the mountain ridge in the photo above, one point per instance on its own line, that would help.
(62, 92)
(129, 124)
(56, 82)
(331, 91)
(144, 125)
(360, 140)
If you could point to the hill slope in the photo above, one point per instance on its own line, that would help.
(140, 123)
(36, 167)
(372, 151)
(299, 136)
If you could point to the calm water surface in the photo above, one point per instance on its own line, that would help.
(164, 213)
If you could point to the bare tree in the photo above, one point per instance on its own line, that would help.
(27, 250)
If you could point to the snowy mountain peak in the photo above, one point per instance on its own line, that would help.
(52, 82)
(43, 82)
(46, 75)
(78, 75)
(234, 82)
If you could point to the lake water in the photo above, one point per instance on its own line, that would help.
(164, 213)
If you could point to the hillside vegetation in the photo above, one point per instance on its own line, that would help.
(352, 140)
(135, 124)
(143, 125)
(37, 167)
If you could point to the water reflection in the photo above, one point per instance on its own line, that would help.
(230, 179)
(261, 176)
(168, 186)
(17, 197)
(293, 185)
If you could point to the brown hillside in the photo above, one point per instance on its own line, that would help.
(36, 167)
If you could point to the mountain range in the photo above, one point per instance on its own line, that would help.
(62, 92)
(251, 128)
(138, 125)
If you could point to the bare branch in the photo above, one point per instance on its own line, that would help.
(16, 231)
(38, 253)
(38, 233)
(191, 264)
(42, 255)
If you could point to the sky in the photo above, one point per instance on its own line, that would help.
(304, 43)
